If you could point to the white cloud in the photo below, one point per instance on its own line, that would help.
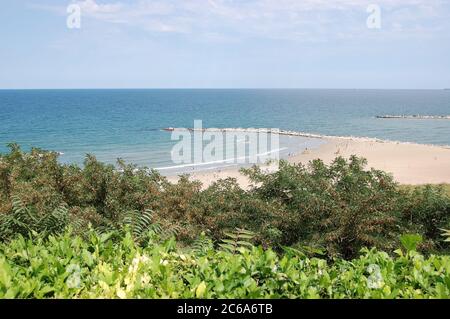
(278, 19)
(91, 7)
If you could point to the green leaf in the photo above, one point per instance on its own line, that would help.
(5, 274)
(411, 241)
(201, 289)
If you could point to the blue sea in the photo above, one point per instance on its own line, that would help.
(128, 124)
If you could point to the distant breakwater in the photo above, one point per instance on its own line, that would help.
(271, 131)
(415, 117)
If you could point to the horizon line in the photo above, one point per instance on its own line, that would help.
(215, 88)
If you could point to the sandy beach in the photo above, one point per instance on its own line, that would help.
(409, 163)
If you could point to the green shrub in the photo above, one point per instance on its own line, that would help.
(342, 207)
(334, 209)
(428, 211)
(68, 266)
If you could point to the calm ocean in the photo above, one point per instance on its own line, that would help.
(127, 123)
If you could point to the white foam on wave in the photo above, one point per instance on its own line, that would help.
(229, 160)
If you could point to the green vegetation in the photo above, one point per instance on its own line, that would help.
(303, 231)
(97, 267)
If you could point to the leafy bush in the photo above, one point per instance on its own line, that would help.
(69, 267)
(26, 221)
(318, 209)
(428, 211)
(341, 207)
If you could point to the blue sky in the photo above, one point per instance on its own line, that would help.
(225, 44)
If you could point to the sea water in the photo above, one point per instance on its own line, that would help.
(128, 124)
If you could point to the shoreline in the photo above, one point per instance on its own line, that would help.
(408, 162)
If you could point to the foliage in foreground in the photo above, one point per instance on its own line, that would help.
(333, 210)
(72, 267)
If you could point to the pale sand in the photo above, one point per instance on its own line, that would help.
(409, 163)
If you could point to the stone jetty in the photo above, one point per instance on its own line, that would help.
(415, 117)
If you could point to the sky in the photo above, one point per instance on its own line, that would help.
(225, 44)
